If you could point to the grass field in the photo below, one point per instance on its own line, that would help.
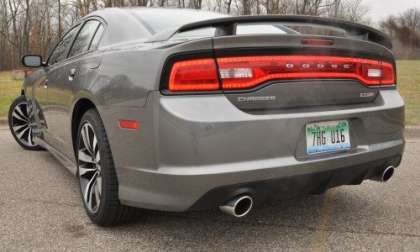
(408, 84)
(9, 90)
(408, 72)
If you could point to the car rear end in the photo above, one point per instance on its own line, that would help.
(269, 116)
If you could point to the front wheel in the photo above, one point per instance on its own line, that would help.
(21, 123)
(96, 172)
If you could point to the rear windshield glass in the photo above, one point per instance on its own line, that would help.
(313, 29)
(158, 21)
(243, 29)
(269, 28)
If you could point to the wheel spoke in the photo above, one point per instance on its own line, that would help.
(91, 193)
(18, 116)
(85, 170)
(86, 158)
(20, 111)
(85, 138)
(87, 194)
(29, 137)
(97, 193)
(94, 144)
(97, 156)
(21, 124)
(89, 167)
(18, 128)
(99, 183)
(20, 134)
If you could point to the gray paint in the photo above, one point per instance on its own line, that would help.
(190, 144)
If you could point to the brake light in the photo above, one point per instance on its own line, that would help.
(265, 68)
(194, 75)
(318, 42)
(247, 72)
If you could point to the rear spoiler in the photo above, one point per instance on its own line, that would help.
(226, 26)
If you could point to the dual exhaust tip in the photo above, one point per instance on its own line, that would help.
(242, 205)
(238, 207)
(385, 175)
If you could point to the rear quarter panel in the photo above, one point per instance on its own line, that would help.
(127, 77)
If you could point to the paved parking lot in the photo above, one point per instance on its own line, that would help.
(40, 209)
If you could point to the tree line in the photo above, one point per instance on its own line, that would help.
(35, 26)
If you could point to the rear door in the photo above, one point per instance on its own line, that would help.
(68, 79)
(54, 73)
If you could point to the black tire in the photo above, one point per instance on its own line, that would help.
(13, 122)
(110, 211)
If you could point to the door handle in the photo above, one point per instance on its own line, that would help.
(72, 74)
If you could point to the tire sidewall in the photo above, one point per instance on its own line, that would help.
(106, 163)
(17, 101)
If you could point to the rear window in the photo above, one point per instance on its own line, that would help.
(278, 28)
(243, 29)
(158, 21)
(313, 29)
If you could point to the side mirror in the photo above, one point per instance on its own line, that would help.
(32, 61)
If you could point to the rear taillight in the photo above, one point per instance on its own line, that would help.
(247, 72)
(194, 75)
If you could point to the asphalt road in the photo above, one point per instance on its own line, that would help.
(40, 209)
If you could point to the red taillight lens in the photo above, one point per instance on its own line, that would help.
(194, 75)
(250, 71)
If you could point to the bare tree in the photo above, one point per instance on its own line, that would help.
(405, 32)
(36, 25)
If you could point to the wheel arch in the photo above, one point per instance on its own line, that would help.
(80, 107)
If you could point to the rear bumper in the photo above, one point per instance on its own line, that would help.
(205, 151)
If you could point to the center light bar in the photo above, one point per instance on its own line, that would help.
(246, 72)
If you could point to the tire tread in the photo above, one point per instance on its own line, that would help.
(111, 212)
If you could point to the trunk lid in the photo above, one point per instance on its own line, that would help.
(287, 94)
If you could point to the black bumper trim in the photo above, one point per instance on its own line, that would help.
(289, 187)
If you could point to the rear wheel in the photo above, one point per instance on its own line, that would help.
(21, 123)
(96, 172)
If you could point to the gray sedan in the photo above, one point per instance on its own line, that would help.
(180, 110)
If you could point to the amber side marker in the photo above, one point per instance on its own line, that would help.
(129, 124)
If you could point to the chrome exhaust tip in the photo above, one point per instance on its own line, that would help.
(387, 173)
(238, 207)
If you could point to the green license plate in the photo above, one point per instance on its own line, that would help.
(325, 137)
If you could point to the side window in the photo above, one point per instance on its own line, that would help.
(97, 38)
(82, 42)
(60, 52)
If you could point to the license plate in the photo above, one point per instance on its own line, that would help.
(324, 137)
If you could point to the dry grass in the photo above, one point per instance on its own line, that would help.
(9, 90)
(408, 84)
(408, 72)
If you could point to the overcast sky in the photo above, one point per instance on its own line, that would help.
(379, 9)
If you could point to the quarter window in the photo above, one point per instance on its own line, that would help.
(82, 42)
(60, 52)
(97, 38)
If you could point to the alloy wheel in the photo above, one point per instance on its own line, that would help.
(22, 124)
(90, 174)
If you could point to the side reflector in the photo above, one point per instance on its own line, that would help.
(129, 124)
